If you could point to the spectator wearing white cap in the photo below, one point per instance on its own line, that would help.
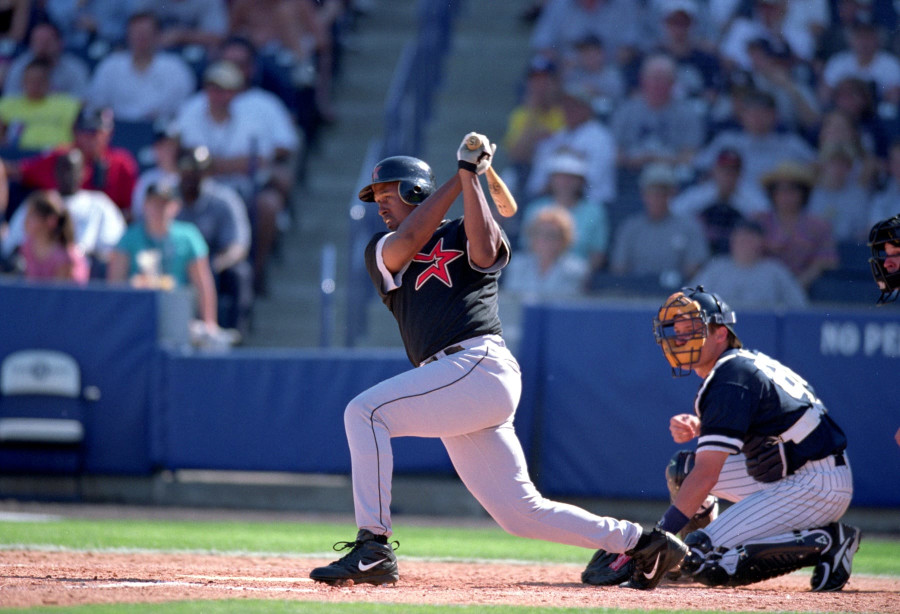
(584, 134)
(655, 242)
(566, 188)
(245, 156)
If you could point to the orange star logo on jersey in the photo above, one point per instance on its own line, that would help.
(439, 259)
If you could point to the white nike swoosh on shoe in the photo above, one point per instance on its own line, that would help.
(370, 565)
(649, 575)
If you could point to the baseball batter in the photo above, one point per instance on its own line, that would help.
(439, 280)
(764, 441)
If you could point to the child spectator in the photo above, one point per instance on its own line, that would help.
(49, 250)
(160, 252)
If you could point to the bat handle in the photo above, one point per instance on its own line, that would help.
(473, 142)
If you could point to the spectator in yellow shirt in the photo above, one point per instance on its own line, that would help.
(37, 119)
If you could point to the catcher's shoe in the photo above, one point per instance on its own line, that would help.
(833, 569)
(370, 560)
(655, 553)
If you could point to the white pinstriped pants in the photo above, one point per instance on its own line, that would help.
(817, 494)
(468, 399)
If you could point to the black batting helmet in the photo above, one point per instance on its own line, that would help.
(415, 177)
(883, 233)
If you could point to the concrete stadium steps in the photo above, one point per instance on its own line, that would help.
(478, 89)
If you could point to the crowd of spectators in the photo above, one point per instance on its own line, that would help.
(747, 142)
(159, 143)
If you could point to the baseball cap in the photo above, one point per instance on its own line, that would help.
(540, 64)
(165, 188)
(92, 120)
(580, 93)
(688, 7)
(568, 163)
(758, 98)
(658, 174)
(863, 20)
(164, 129)
(225, 74)
(194, 158)
(589, 40)
(749, 225)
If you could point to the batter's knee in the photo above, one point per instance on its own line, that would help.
(357, 410)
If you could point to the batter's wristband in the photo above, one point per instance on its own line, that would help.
(673, 520)
(467, 166)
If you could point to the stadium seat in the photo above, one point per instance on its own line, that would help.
(844, 286)
(42, 413)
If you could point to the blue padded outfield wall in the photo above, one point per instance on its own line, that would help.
(593, 419)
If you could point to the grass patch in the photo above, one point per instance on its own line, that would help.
(876, 556)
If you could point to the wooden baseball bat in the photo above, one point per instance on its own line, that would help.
(502, 197)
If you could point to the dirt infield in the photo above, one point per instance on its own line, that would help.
(30, 578)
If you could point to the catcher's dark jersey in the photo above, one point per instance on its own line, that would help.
(748, 394)
(440, 298)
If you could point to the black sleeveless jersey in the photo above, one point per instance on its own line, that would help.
(747, 394)
(440, 298)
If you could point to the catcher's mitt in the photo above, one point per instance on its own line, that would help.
(608, 569)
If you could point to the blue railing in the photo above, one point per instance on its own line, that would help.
(408, 109)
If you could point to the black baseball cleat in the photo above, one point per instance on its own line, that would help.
(370, 560)
(655, 553)
(833, 569)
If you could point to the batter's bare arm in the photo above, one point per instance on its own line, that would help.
(475, 155)
(481, 228)
(414, 231)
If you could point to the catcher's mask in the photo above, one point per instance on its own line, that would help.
(885, 232)
(682, 326)
(416, 180)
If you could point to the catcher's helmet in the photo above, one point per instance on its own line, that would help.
(883, 233)
(681, 326)
(415, 177)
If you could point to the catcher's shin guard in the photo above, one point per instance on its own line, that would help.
(755, 561)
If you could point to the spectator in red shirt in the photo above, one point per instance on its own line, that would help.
(109, 169)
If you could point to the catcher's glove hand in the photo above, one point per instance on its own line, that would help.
(608, 569)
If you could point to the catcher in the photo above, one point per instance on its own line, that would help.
(766, 442)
